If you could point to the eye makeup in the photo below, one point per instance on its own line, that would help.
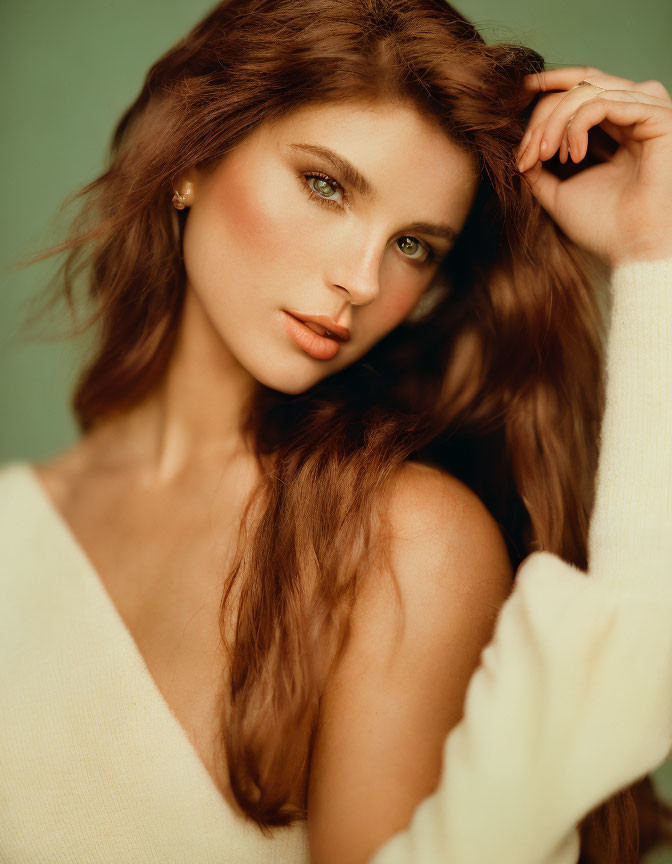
(431, 255)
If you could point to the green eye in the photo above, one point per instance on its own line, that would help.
(323, 186)
(407, 244)
(324, 189)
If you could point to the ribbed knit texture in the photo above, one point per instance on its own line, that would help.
(571, 703)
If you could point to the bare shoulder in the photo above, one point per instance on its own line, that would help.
(400, 684)
(442, 537)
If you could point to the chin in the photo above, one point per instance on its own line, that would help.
(289, 378)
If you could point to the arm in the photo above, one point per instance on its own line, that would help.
(400, 684)
(572, 701)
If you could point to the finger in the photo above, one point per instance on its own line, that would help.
(563, 150)
(616, 133)
(544, 185)
(567, 76)
(547, 104)
(530, 154)
(539, 113)
(643, 120)
(547, 137)
(538, 145)
(558, 122)
(566, 103)
(655, 88)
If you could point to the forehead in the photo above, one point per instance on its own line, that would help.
(380, 135)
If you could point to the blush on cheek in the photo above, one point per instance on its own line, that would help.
(397, 307)
(258, 216)
(255, 225)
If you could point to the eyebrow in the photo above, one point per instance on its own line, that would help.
(353, 177)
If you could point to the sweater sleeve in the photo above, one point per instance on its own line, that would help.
(572, 700)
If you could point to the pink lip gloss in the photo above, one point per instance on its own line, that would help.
(319, 347)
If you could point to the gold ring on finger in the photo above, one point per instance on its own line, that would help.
(583, 84)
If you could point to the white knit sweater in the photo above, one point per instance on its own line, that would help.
(571, 703)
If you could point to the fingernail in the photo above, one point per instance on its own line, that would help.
(544, 146)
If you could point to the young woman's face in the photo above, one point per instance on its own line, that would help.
(280, 229)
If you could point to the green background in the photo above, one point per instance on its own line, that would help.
(70, 68)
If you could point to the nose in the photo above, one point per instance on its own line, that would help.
(357, 272)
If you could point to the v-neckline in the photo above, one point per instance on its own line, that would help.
(93, 576)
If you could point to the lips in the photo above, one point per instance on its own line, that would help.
(323, 325)
(305, 334)
(321, 331)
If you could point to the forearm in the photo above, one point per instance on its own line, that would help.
(630, 536)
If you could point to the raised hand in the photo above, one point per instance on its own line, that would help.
(619, 209)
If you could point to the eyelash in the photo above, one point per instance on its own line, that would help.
(314, 196)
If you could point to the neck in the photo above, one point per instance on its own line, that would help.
(193, 418)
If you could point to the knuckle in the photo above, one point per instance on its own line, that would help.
(656, 87)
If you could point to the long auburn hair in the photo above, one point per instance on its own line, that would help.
(500, 383)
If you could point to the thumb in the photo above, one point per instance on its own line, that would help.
(544, 185)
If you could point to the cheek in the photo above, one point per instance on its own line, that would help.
(240, 235)
(402, 284)
(399, 305)
(260, 220)
(374, 322)
(394, 304)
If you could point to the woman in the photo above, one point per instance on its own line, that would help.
(246, 484)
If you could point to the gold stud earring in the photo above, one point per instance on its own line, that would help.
(179, 200)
